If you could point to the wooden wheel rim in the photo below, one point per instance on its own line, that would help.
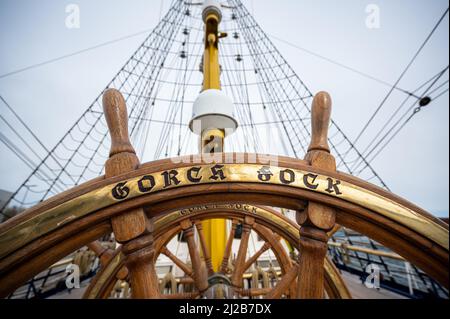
(85, 211)
(167, 225)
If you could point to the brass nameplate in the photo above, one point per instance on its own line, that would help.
(222, 174)
(79, 207)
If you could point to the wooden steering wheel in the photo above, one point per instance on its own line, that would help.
(255, 218)
(131, 199)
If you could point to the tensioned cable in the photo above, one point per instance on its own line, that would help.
(23, 157)
(29, 162)
(401, 76)
(440, 94)
(106, 133)
(391, 118)
(255, 28)
(349, 68)
(29, 130)
(415, 112)
(33, 66)
(120, 76)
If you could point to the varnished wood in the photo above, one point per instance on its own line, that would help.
(103, 253)
(313, 247)
(200, 272)
(335, 285)
(131, 226)
(32, 212)
(320, 121)
(24, 271)
(123, 159)
(284, 283)
(139, 254)
(229, 246)
(205, 250)
(263, 232)
(144, 281)
(185, 268)
(116, 115)
(101, 286)
(168, 164)
(134, 231)
(236, 278)
(268, 235)
(256, 255)
(317, 219)
(409, 244)
(335, 229)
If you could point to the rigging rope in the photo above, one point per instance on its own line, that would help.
(401, 76)
(368, 150)
(161, 80)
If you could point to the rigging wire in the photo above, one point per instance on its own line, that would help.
(23, 123)
(170, 19)
(440, 94)
(383, 102)
(139, 101)
(349, 68)
(415, 109)
(23, 157)
(433, 79)
(11, 127)
(65, 56)
(281, 92)
(272, 51)
(16, 150)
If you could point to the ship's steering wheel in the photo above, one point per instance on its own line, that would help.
(143, 204)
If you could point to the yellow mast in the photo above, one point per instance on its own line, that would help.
(212, 140)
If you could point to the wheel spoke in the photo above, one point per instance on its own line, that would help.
(284, 283)
(229, 246)
(205, 250)
(200, 272)
(185, 268)
(255, 257)
(236, 279)
(104, 254)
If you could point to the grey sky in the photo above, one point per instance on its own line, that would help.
(414, 165)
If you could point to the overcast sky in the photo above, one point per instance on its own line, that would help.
(414, 165)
